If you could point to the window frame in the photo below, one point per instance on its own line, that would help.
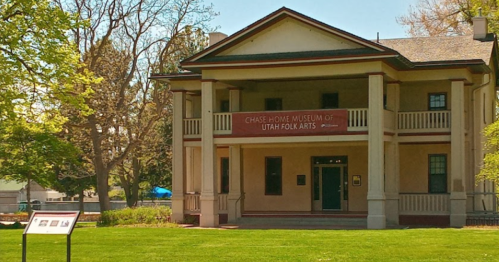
(269, 192)
(431, 175)
(441, 108)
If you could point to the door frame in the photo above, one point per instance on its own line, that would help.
(317, 204)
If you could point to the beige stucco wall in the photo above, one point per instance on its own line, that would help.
(414, 166)
(297, 161)
(300, 95)
(414, 95)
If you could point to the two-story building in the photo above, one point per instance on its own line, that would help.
(291, 115)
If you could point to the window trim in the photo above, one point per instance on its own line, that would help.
(279, 193)
(439, 108)
(430, 174)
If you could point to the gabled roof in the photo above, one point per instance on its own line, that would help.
(211, 54)
(401, 54)
(442, 49)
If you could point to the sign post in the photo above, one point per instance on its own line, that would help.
(51, 223)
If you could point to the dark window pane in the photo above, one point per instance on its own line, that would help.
(330, 100)
(316, 184)
(437, 174)
(224, 106)
(225, 175)
(273, 104)
(437, 102)
(273, 176)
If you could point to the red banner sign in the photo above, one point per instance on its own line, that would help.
(320, 122)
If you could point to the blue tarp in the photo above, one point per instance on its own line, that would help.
(161, 192)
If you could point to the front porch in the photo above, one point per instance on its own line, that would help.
(414, 209)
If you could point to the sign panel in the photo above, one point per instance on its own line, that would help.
(309, 122)
(44, 222)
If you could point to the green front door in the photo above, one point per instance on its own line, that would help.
(331, 188)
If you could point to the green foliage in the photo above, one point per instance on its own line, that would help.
(490, 168)
(16, 225)
(30, 150)
(116, 194)
(134, 216)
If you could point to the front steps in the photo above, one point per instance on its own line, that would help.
(336, 221)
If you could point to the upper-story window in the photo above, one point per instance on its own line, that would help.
(330, 100)
(437, 101)
(273, 104)
(224, 106)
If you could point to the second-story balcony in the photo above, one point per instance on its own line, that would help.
(356, 121)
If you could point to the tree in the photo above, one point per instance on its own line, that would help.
(39, 69)
(29, 152)
(490, 168)
(448, 17)
(126, 105)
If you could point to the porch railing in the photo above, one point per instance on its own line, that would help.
(192, 203)
(424, 204)
(408, 122)
(424, 120)
(223, 123)
(357, 119)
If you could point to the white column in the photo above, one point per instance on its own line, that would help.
(457, 180)
(178, 160)
(234, 198)
(209, 193)
(392, 159)
(376, 218)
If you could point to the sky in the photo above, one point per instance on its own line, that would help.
(363, 18)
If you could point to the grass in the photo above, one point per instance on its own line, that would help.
(179, 244)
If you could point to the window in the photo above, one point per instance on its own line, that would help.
(330, 101)
(224, 106)
(437, 169)
(273, 176)
(273, 104)
(437, 101)
(224, 180)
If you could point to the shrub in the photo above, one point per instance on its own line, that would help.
(133, 216)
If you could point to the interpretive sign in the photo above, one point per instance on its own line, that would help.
(308, 122)
(54, 223)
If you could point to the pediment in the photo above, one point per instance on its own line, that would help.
(290, 35)
(285, 35)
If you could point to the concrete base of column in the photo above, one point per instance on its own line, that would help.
(209, 211)
(458, 209)
(177, 209)
(234, 208)
(392, 210)
(376, 218)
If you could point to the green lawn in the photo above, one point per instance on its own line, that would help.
(177, 244)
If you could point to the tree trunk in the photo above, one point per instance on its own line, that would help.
(135, 181)
(101, 171)
(130, 183)
(81, 201)
(102, 188)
